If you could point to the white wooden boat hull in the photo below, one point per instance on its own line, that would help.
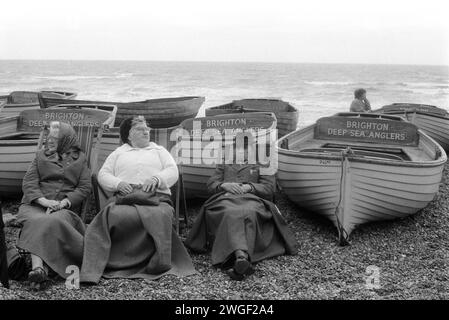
(432, 120)
(436, 127)
(8, 124)
(354, 190)
(15, 158)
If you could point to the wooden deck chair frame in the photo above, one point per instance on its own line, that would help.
(87, 120)
(177, 196)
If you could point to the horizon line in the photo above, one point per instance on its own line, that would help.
(236, 61)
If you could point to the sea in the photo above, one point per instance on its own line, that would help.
(317, 90)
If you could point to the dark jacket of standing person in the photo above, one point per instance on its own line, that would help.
(360, 102)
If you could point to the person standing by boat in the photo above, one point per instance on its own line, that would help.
(360, 102)
(239, 222)
(133, 236)
(54, 187)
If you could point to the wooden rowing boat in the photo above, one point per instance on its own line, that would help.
(198, 160)
(286, 114)
(19, 137)
(17, 101)
(17, 150)
(160, 113)
(432, 120)
(355, 168)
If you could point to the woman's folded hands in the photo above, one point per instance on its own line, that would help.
(53, 205)
(236, 188)
(124, 188)
(150, 186)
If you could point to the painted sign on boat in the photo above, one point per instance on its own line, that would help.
(228, 123)
(34, 120)
(367, 130)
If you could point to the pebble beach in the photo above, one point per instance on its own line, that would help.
(411, 255)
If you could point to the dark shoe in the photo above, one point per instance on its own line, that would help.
(241, 265)
(234, 276)
(37, 277)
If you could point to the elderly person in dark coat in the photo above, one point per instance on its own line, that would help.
(133, 236)
(239, 222)
(360, 102)
(54, 187)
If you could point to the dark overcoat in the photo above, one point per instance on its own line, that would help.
(55, 180)
(57, 238)
(249, 222)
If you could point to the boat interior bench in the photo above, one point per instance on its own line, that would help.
(399, 153)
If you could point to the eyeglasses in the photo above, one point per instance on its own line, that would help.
(141, 129)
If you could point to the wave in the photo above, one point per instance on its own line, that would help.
(124, 75)
(329, 83)
(70, 77)
(428, 84)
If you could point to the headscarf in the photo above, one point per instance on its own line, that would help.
(67, 140)
(126, 126)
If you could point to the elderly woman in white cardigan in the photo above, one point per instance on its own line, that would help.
(133, 237)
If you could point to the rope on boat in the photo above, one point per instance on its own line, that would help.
(342, 234)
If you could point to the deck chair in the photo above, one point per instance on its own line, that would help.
(89, 122)
(177, 197)
(3, 262)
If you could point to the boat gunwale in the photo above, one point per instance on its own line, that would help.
(121, 103)
(405, 105)
(231, 106)
(7, 118)
(62, 94)
(25, 142)
(405, 112)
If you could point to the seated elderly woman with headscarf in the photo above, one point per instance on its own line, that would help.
(57, 180)
(239, 222)
(133, 236)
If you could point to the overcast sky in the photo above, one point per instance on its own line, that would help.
(344, 31)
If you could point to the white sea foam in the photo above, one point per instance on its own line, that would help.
(329, 83)
(71, 77)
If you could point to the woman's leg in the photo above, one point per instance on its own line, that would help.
(36, 262)
(39, 274)
(54, 241)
